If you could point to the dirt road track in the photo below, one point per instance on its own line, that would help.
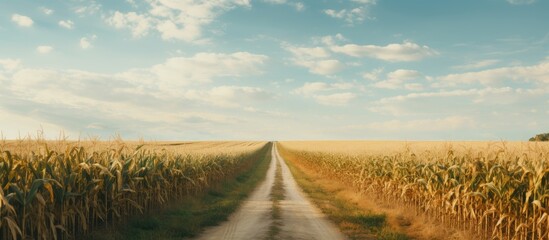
(300, 219)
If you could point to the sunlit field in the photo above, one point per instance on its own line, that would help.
(65, 189)
(497, 190)
(274, 120)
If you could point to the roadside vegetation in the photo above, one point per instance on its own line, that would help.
(482, 191)
(65, 190)
(187, 217)
(544, 137)
(355, 222)
(277, 195)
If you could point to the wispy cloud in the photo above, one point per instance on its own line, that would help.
(89, 7)
(535, 73)
(47, 11)
(313, 88)
(21, 20)
(10, 64)
(203, 67)
(477, 64)
(68, 24)
(419, 125)
(316, 59)
(299, 6)
(327, 93)
(144, 97)
(521, 2)
(228, 96)
(395, 52)
(182, 20)
(335, 99)
(401, 78)
(138, 24)
(353, 15)
(465, 101)
(44, 49)
(87, 42)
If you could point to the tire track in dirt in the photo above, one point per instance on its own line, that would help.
(297, 219)
(253, 218)
(300, 218)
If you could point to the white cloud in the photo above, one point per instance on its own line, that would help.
(15, 125)
(132, 3)
(228, 96)
(304, 52)
(354, 15)
(203, 67)
(336, 99)
(400, 79)
(269, 113)
(477, 64)
(404, 74)
(138, 24)
(10, 64)
(170, 95)
(405, 52)
(373, 75)
(178, 20)
(537, 73)
(316, 59)
(47, 11)
(332, 40)
(413, 86)
(95, 93)
(68, 24)
(365, 1)
(420, 125)
(44, 49)
(464, 101)
(521, 2)
(21, 20)
(321, 67)
(91, 8)
(166, 80)
(86, 42)
(323, 94)
(452, 93)
(299, 6)
(312, 88)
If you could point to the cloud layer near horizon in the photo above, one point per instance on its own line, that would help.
(163, 69)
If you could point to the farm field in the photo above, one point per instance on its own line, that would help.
(66, 189)
(250, 190)
(274, 120)
(492, 190)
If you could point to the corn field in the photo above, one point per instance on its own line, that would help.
(499, 192)
(63, 194)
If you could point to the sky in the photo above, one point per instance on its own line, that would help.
(275, 69)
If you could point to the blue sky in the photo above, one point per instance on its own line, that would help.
(275, 69)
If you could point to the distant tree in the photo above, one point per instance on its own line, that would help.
(540, 137)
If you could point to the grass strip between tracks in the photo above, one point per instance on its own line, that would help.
(277, 195)
(188, 217)
(354, 222)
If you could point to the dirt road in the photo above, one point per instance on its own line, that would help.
(298, 219)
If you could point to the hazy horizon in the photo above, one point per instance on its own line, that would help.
(275, 69)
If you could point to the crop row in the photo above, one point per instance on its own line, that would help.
(496, 195)
(60, 195)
